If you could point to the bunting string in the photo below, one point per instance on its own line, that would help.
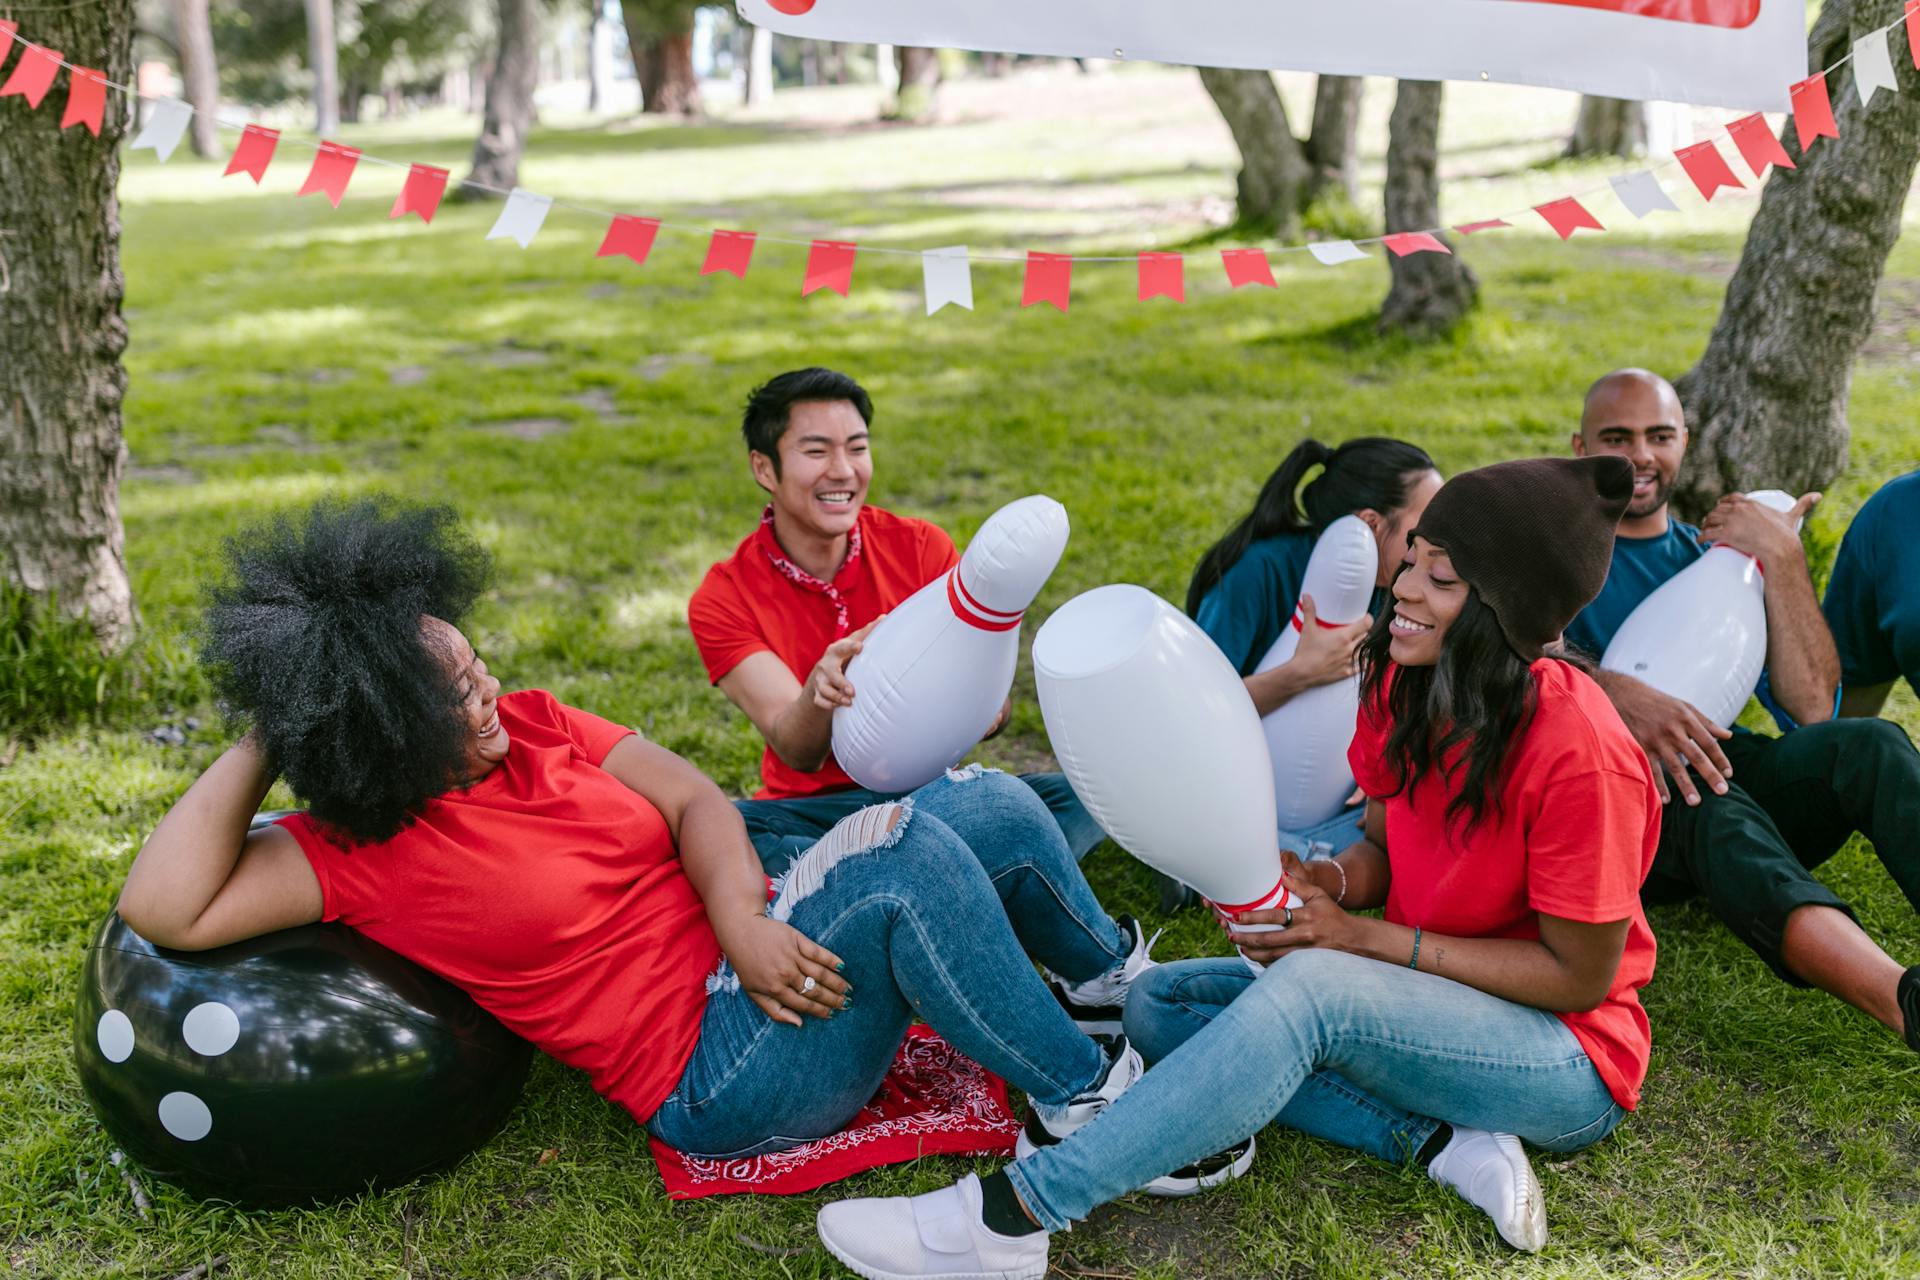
(947, 272)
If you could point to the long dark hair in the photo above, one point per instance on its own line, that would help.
(1461, 716)
(1373, 471)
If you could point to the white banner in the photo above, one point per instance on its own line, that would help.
(1723, 53)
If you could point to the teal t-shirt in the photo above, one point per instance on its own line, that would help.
(1254, 601)
(1873, 597)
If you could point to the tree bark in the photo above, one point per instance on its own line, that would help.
(323, 53)
(759, 89)
(200, 73)
(61, 380)
(1767, 403)
(509, 109)
(660, 36)
(919, 83)
(1608, 127)
(597, 59)
(1274, 173)
(1332, 148)
(1430, 291)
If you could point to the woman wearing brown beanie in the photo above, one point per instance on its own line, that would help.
(1511, 820)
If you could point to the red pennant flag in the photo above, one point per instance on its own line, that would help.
(1163, 275)
(420, 193)
(1813, 110)
(1707, 167)
(1468, 228)
(254, 150)
(1758, 145)
(332, 166)
(86, 99)
(1567, 216)
(6, 39)
(829, 266)
(33, 74)
(1049, 279)
(1402, 243)
(1247, 266)
(1913, 30)
(629, 237)
(729, 251)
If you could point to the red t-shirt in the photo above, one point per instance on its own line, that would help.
(552, 894)
(1574, 837)
(757, 601)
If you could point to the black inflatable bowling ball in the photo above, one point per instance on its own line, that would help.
(296, 1067)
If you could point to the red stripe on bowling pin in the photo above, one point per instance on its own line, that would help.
(1300, 625)
(975, 614)
(1274, 897)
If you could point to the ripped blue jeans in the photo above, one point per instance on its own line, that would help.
(913, 915)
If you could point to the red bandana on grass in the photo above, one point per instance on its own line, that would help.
(934, 1101)
(845, 577)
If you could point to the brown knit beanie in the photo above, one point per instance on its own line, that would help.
(1534, 538)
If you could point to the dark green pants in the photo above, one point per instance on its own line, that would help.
(1792, 803)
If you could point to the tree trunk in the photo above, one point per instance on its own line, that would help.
(323, 52)
(919, 89)
(1767, 403)
(200, 73)
(668, 86)
(1430, 291)
(1608, 127)
(1332, 149)
(1272, 185)
(509, 109)
(886, 70)
(61, 381)
(598, 51)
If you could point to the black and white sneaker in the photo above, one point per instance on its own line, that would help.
(1097, 1004)
(1124, 1069)
(1215, 1170)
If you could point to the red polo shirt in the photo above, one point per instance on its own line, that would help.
(1574, 837)
(758, 601)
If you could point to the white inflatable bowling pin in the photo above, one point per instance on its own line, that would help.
(1155, 730)
(934, 674)
(1702, 635)
(1308, 736)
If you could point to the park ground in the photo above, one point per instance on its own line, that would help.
(581, 414)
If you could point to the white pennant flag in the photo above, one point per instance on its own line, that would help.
(1872, 66)
(948, 278)
(1642, 194)
(1333, 252)
(164, 128)
(522, 217)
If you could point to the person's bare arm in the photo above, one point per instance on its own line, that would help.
(1673, 732)
(1325, 654)
(1864, 701)
(796, 718)
(772, 959)
(1803, 665)
(203, 880)
(1363, 871)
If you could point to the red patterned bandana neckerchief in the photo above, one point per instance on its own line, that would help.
(800, 577)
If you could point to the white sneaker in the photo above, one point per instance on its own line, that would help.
(1096, 1005)
(937, 1236)
(1491, 1172)
(1124, 1069)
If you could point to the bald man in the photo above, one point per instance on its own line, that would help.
(1755, 812)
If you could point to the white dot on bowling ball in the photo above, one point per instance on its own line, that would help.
(211, 1029)
(185, 1117)
(115, 1034)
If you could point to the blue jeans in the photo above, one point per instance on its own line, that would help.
(1330, 837)
(781, 830)
(1366, 1054)
(919, 927)
(1016, 828)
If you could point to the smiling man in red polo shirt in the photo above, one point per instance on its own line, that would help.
(777, 623)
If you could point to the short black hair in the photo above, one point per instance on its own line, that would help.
(315, 638)
(768, 405)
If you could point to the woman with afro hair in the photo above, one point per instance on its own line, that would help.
(594, 891)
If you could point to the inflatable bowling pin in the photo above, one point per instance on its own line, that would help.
(1155, 730)
(1702, 635)
(932, 677)
(1309, 735)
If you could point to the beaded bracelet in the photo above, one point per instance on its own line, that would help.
(1415, 962)
(1340, 898)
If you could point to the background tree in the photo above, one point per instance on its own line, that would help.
(396, 44)
(323, 58)
(1608, 127)
(1430, 291)
(660, 39)
(193, 31)
(61, 381)
(1767, 402)
(758, 89)
(509, 111)
(919, 83)
(1280, 174)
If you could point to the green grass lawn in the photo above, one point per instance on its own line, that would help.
(583, 415)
